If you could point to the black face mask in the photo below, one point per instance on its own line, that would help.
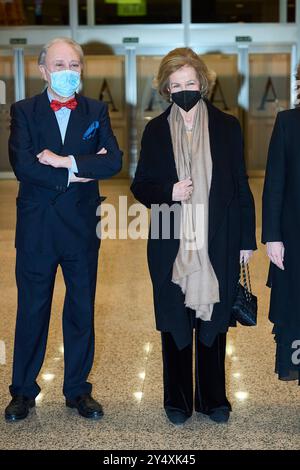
(186, 99)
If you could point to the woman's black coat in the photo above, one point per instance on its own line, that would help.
(231, 220)
(281, 220)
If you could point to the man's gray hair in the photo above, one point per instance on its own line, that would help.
(71, 42)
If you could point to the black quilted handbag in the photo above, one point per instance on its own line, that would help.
(244, 309)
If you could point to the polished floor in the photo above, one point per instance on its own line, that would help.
(127, 369)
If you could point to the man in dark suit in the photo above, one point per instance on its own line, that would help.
(61, 143)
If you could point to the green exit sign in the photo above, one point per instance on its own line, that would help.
(18, 41)
(130, 40)
(243, 39)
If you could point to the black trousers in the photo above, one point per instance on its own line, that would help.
(210, 386)
(35, 275)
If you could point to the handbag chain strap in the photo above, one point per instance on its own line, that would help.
(246, 280)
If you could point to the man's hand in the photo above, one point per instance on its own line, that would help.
(182, 190)
(76, 179)
(103, 151)
(46, 157)
(275, 251)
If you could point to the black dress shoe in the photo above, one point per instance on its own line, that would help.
(86, 406)
(176, 416)
(220, 414)
(18, 408)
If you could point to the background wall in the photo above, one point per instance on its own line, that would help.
(252, 49)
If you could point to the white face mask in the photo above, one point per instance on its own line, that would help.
(65, 82)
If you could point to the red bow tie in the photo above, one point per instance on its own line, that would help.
(56, 105)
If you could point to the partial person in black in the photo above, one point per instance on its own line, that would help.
(280, 232)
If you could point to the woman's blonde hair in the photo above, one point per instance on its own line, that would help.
(176, 59)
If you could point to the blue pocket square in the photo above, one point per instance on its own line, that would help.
(91, 130)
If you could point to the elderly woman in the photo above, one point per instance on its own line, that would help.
(192, 159)
(280, 232)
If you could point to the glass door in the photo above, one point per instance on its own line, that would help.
(33, 80)
(149, 103)
(7, 80)
(224, 94)
(104, 79)
(269, 92)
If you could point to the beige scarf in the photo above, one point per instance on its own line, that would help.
(192, 269)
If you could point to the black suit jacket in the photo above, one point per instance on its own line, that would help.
(47, 208)
(231, 219)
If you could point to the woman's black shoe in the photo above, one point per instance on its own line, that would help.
(19, 408)
(220, 414)
(86, 406)
(177, 417)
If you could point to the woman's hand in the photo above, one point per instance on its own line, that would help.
(182, 190)
(245, 255)
(275, 251)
